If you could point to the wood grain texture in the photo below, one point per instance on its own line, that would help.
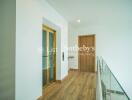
(86, 54)
(77, 86)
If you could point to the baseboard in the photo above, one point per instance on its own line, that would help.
(40, 98)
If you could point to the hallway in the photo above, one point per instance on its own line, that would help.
(77, 86)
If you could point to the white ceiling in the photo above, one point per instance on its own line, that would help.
(90, 11)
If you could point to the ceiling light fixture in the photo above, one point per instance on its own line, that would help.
(78, 20)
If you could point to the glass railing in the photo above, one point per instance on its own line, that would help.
(111, 88)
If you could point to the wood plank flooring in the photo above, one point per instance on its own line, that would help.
(77, 86)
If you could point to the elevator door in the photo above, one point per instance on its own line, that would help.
(48, 55)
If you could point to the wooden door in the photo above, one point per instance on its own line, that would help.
(86, 53)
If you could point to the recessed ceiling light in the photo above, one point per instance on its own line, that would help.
(78, 20)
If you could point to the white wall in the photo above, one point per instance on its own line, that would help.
(29, 16)
(113, 29)
(7, 49)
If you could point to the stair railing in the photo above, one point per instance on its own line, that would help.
(110, 88)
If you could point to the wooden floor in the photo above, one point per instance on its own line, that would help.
(77, 86)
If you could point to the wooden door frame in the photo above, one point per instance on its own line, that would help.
(94, 35)
(49, 28)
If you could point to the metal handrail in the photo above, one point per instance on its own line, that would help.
(101, 60)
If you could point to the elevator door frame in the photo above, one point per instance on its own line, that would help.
(48, 29)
